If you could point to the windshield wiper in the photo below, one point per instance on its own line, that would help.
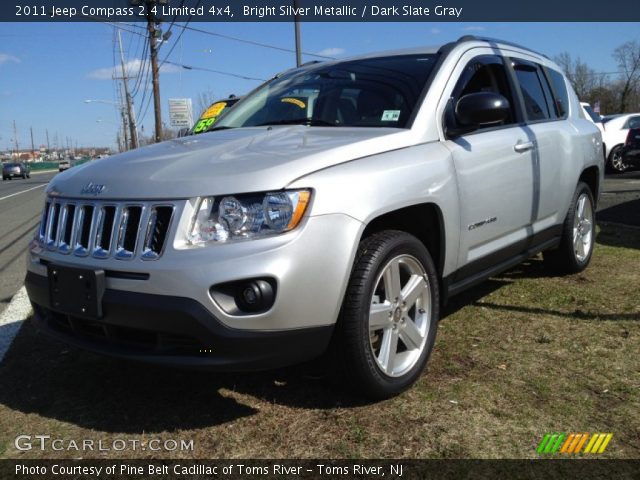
(300, 121)
(219, 127)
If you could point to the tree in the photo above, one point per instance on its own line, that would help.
(583, 79)
(628, 57)
(204, 100)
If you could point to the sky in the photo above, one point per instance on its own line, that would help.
(48, 70)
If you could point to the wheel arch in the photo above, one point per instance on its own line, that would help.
(591, 176)
(429, 229)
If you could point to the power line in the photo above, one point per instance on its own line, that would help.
(142, 69)
(191, 67)
(242, 40)
(179, 36)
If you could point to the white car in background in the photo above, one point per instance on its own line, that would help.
(614, 135)
(590, 113)
(64, 165)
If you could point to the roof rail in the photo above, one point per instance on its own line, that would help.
(472, 38)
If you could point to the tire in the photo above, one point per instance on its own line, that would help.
(578, 235)
(615, 163)
(404, 323)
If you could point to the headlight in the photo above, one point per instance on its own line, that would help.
(237, 217)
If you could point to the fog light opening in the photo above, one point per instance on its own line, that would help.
(254, 296)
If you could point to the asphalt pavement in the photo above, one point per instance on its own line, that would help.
(21, 203)
(620, 200)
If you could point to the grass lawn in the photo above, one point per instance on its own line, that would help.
(519, 356)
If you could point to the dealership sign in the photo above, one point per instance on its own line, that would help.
(180, 112)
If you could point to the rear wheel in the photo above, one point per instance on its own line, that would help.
(389, 317)
(616, 163)
(578, 235)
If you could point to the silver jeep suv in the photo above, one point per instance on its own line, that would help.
(338, 205)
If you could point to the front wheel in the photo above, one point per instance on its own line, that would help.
(389, 317)
(578, 235)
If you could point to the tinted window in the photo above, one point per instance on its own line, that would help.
(485, 73)
(560, 93)
(372, 92)
(535, 101)
(633, 122)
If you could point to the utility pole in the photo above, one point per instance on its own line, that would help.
(154, 33)
(124, 130)
(15, 136)
(33, 148)
(297, 32)
(125, 81)
(48, 147)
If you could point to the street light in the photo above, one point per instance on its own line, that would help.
(123, 113)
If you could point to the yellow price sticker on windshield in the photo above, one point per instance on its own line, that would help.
(294, 101)
(214, 110)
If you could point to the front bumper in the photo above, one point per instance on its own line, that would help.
(170, 330)
(150, 305)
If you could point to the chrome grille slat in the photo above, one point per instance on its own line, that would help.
(62, 228)
(78, 249)
(51, 226)
(158, 225)
(121, 230)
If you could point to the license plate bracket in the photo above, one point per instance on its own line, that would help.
(76, 291)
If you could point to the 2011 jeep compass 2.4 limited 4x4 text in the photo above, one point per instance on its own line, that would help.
(338, 203)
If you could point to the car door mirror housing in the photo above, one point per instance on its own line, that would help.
(481, 109)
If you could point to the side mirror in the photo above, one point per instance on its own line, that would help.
(481, 109)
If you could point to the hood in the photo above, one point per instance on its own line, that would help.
(224, 162)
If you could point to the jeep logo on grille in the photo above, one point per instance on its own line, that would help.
(92, 189)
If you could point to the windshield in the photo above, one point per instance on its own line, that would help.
(595, 118)
(373, 92)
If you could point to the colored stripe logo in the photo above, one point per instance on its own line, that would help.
(573, 443)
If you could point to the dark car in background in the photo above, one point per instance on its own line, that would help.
(15, 170)
(631, 150)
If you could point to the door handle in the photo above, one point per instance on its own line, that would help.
(523, 146)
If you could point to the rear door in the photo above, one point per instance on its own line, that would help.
(554, 144)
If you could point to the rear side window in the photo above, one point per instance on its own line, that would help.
(535, 93)
(561, 96)
(633, 122)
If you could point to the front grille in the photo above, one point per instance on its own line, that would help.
(122, 230)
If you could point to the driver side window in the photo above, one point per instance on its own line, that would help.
(485, 73)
